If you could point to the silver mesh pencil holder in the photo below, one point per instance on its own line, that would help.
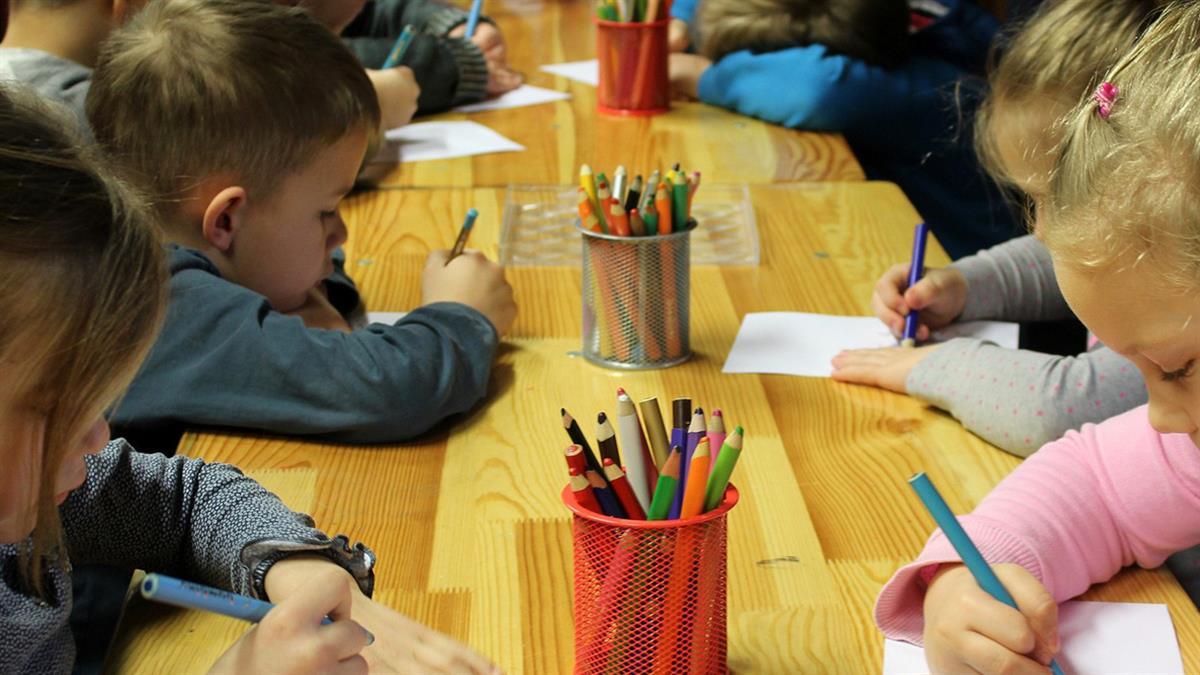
(635, 299)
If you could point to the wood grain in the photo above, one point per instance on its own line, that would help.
(467, 522)
(560, 136)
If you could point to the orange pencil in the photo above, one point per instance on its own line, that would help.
(619, 220)
(620, 485)
(662, 204)
(697, 481)
(602, 196)
(583, 492)
(636, 223)
(587, 215)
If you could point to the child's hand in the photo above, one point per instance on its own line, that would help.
(678, 39)
(940, 296)
(685, 72)
(488, 38)
(886, 368)
(398, 91)
(502, 79)
(473, 280)
(967, 630)
(291, 639)
(318, 312)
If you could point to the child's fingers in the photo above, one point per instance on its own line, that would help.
(1037, 606)
(440, 651)
(343, 639)
(355, 665)
(997, 621)
(984, 655)
(923, 293)
(890, 288)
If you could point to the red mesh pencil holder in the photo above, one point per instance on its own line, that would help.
(650, 594)
(633, 68)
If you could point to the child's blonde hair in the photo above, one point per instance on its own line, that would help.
(1127, 184)
(195, 88)
(1044, 64)
(875, 31)
(82, 288)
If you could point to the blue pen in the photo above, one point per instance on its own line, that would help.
(970, 555)
(473, 18)
(401, 46)
(172, 591)
(463, 234)
(920, 236)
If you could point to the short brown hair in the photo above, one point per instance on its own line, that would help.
(82, 271)
(195, 88)
(875, 31)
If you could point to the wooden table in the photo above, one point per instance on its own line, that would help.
(468, 525)
(560, 136)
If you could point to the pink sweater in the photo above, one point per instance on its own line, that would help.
(1075, 513)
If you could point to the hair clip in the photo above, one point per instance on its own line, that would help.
(1105, 97)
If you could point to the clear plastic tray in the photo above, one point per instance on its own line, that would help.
(539, 226)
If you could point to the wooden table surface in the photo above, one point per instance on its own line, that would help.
(560, 136)
(468, 525)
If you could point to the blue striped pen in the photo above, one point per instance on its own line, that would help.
(966, 549)
(400, 48)
(473, 18)
(189, 595)
(920, 236)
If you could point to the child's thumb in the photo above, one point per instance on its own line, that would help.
(922, 294)
(1040, 609)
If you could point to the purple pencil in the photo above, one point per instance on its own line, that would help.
(695, 432)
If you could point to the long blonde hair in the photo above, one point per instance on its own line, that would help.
(1127, 185)
(82, 287)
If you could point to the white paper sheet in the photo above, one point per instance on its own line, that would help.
(385, 317)
(1099, 638)
(442, 140)
(797, 343)
(587, 72)
(524, 95)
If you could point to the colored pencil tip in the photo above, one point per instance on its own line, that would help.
(620, 391)
(601, 418)
(738, 430)
(717, 412)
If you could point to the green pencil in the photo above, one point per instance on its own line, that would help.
(718, 480)
(679, 204)
(668, 482)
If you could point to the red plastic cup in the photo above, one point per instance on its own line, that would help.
(650, 594)
(633, 68)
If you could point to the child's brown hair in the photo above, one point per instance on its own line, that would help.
(82, 287)
(196, 88)
(875, 31)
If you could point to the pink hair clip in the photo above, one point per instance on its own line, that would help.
(1105, 97)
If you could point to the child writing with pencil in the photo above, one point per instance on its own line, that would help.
(1121, 221)
(258, 335)
(896, 78)
(83, 293)
(1031, 398)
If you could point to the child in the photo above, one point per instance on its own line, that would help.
(82, 283)
(450, 69)
(247, 194)
(839, 66)
(1122, 223)
(1031, 398)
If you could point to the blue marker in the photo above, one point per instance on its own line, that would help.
(920, 236)
(401, 46)
(172, 591)
(463, 235)
(966, 549)
(473, 18)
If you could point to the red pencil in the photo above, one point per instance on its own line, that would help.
(575, 459)
(583, 492)
(620, 485)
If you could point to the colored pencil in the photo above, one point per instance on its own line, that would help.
(662, 206)
(693, 491)
(618, 220)
(679, 201)
(664, 492)
(648, 192)
(606, 440)
(650, 218)
(583, 492)
(716, 433)
(473, 18)
(587, 214)
(620, 184)
(639, 464)
(693, 185)
(636, 224)
(633, 197)
(579, 439)
(575, 459)
(400, 48)
(623, 490)
(609, 505)
(463, 234)
(961, 541)
(695, 431)
(656, 433)
(602, 197)
(587, 181)
(915, 271)
(722, 468)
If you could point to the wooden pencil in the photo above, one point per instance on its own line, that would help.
(584, 496)
(579, 439)
(606, 440)
(668, 482)
(639, 464)
(693, 492)
(619, 483)
(609, 505)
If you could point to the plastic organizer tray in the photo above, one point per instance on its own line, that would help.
(539, 226)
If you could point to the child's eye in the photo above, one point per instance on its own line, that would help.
(326, 215)
(1176, 375)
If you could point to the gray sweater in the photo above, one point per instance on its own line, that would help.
(179, 516)
(53, 77)
(225, 358)
(1019, 399)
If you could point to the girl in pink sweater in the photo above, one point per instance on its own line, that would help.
(1123, 228)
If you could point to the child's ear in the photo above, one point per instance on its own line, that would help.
(224, 216)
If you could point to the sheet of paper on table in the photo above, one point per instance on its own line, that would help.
(1099, 638)
(385, 317)
(587, 72)
(524, 95)
(798, 343)
(426, 141)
